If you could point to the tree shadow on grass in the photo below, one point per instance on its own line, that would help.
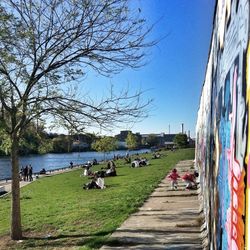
(94, 241)
(62, 236)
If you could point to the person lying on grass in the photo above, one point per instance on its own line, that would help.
(139, 162)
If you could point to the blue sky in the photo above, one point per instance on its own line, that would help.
(176, 68)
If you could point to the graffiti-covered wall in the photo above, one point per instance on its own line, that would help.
(223, 129)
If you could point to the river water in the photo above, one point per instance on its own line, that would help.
(56, 161)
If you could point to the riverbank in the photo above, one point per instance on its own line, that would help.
(53, 162)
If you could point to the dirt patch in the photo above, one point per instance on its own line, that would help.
(7, 243)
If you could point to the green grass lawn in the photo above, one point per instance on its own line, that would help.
(58, 213)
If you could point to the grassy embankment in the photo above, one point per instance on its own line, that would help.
(58, 213)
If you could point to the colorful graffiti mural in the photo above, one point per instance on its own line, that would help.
(223, 129)
(248, 152)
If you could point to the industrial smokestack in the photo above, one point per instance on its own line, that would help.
(182, 128)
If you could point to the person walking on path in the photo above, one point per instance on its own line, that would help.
(30, 173)
(173, 176)
(25, 173)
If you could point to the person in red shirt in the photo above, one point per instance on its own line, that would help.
(173, 176)
(190, 180)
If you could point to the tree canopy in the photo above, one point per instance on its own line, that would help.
(47, 45)
(132, 141)
(181, 140)
(152, 140)
(105, 144)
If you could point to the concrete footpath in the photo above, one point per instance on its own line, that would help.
(168, 220)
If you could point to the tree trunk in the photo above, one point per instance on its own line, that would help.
(16, 227)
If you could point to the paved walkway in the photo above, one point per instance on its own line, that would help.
(7, 185)
(168, 220)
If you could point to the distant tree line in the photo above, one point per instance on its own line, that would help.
(37, 141)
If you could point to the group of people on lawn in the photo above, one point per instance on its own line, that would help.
(97, 177)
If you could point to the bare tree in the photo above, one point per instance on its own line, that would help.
(46, 46)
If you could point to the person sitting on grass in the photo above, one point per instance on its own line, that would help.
(87, 171)
(190, 180)
(127, 160)
(173, 176)
(95, 162)
(156, 156)
(111, 169)
(96, 183)
(43, 171)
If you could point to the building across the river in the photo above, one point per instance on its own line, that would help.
(163, 140)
